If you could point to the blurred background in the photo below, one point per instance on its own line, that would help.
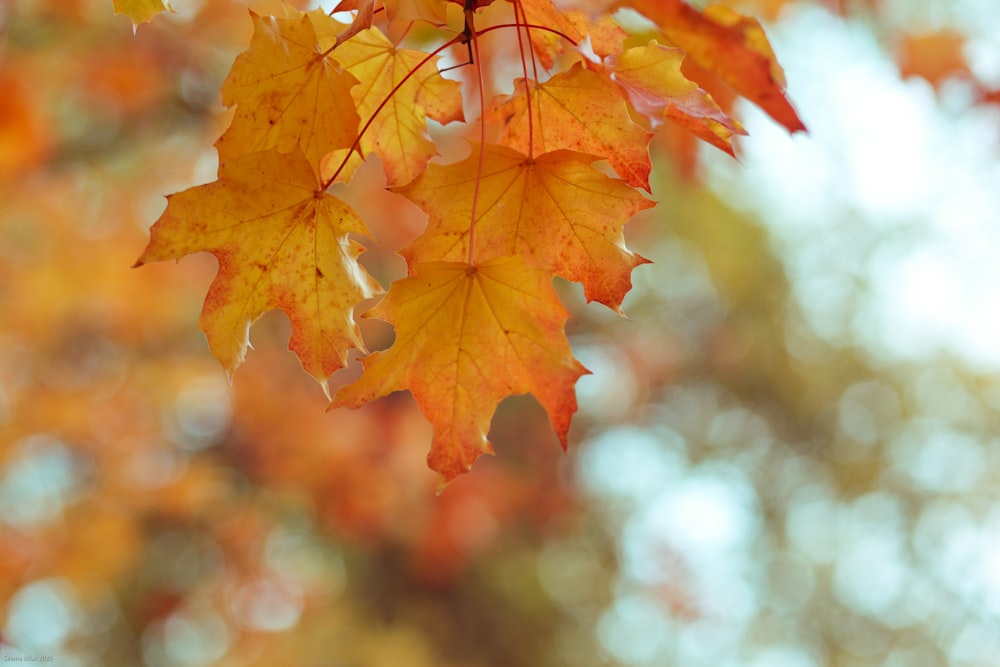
(788, 456)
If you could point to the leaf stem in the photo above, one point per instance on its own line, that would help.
(518, 16)
(457, 39)
(473, 38)
(356, 146)
(533, 26)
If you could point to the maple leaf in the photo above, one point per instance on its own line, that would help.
(398, 134)
(281, 243)
(287, 94)
(362, 6)
(432, 11)
(362, 21)
(657, 89)
(141, 11)
(313, 97)
(732, 46)
(556, 210)
(577, 110)
(466, 338)
(606, 36)
(547, 45)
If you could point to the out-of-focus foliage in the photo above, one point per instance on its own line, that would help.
(747, 490)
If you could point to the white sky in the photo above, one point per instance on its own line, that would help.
(887, 215)
(894, 187)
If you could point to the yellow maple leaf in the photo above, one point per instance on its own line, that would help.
(466, 338)
(141, 11)
(281, 243)
(288, 95)
(577, 110)
(555, 209)
(398, 133)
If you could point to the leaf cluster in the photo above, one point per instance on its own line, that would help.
(476, 318)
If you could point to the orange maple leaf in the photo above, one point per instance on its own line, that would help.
(281, 243)
(362, 21)
(547, 45)
(555, 209)
(398, 134)
(606, 36)
(466, 338)
(141, 11)
(652, 77)
(287, 94)
(732, 46)
(432, 11)
(577, 110)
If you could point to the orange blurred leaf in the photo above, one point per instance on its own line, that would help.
(130, 85)
(935, 56)
(24, 135)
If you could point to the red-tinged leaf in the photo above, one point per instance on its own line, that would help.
(731, 45)
(576, 110)
(398, 133)
(466, 338)
(281, 243)
(658, 89)
(288, 95)
(555, 210)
